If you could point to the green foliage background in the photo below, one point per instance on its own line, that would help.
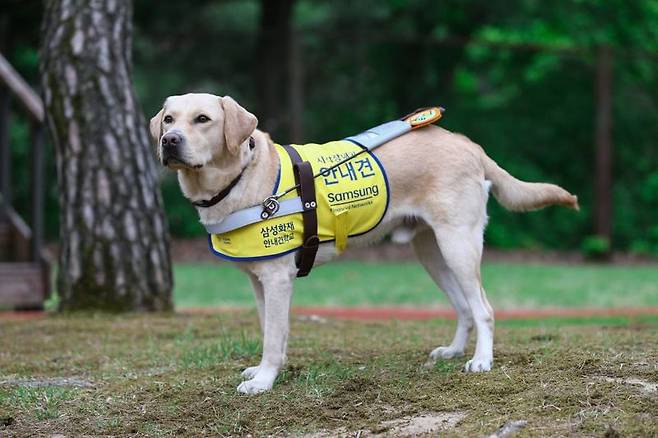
(516, 76)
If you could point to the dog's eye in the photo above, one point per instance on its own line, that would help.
(168, 119)
(202, 119)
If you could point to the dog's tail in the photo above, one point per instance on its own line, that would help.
(517, 195)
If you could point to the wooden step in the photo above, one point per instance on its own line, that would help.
(15, 237)
(23, 286)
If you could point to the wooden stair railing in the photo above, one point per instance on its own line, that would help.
(24, 265)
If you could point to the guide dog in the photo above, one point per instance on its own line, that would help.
(439, 181)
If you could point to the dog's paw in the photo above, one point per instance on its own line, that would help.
(262, 381)
(250, 372)
(477, 365)
(254, 386)
(445, 353)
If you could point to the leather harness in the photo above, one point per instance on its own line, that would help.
(306, 189)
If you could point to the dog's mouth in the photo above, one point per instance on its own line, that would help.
(176, 163)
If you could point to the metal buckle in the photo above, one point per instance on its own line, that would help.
(312, 242)
(270, 207)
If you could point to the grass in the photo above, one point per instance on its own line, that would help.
(226, 347)
(176, 376)
(352, 283)
(42, 403)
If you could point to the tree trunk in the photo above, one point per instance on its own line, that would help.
(296, 89)
(604, 146)
(114, 246)
(272, 69)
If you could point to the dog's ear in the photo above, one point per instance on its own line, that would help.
(239, 124)
(156, 126)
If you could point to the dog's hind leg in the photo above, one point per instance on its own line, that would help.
(277, 291)
(429, 255)
(250, 372)
(461, 247)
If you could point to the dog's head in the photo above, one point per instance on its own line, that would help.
(194, 130)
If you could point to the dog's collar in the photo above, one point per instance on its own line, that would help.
(205, 203)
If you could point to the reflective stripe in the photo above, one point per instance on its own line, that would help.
(251, 215)
(381, 134)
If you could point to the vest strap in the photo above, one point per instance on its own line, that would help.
(303, 173)
(380, 135)
(252, 215)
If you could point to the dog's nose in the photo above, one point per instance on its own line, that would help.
(171, 141)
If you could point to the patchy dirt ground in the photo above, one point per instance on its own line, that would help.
(176, 375)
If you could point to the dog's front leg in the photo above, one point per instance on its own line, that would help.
(277, 291)
(250, 372)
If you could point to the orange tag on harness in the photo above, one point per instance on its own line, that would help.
(424, 116)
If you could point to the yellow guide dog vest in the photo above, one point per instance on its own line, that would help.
(341, 192)
(352, 199)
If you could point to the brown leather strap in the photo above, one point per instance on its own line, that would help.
(303, 173)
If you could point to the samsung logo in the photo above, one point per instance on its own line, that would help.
(351, 195)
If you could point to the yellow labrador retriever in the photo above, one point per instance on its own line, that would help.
(440, 178)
